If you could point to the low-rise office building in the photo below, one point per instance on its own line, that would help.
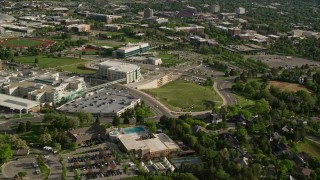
(147, 145)
(131, 49)
(114, 70)
(100, 17)
(18, 104)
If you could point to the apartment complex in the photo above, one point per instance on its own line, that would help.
(131, 49)
(113, 70)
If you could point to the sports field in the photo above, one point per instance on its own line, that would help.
(291, 87)
(25, 42)
(47, 62)
(180, 95)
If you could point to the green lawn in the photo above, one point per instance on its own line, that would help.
(180, 95)
(244, 102)
(169, 59)
(23, 42)
(77, 68)
(309, 147)
(46, 62)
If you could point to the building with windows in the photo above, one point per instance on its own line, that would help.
(100, 17)
(131, 49)
(114, 70)
(47, 89)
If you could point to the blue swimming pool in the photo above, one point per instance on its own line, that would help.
(133, 130)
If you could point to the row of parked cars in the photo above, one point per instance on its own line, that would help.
(36, 167)
(94, 175)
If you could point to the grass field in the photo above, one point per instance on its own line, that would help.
(309, 147)
(291, 87)
(49, 62)
(23, 42)
(180, 95)
(77, 68)
(169, 59)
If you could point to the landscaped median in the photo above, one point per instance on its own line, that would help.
(183, 96)
(45, 170)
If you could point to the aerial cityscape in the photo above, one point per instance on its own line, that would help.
(165, 89)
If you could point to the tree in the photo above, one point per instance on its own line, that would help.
(57, 146)
(126, 120)
(28, 126)
(242, 135)
(116, 121)
(85, 117)
(140, 118)
(125, 169)
(97, 120)
(76, 175)
(21, 128)
(36, 60)
(45, 138)
(262, 107)
(151, 125)
(17, 143)
(5, 152)
(22, 174)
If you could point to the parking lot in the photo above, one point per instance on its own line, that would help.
(100, 162)
(27, 165)
(284, 61)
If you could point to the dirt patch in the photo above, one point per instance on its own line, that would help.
(291, 87)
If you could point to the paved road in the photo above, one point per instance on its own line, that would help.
(158, 108)
(313, 139)
(223, 89)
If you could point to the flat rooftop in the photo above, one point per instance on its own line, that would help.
(119, 66)
(106, 101)
(16, 103)
(160, 142)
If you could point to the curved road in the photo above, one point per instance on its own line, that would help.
(222, 87)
